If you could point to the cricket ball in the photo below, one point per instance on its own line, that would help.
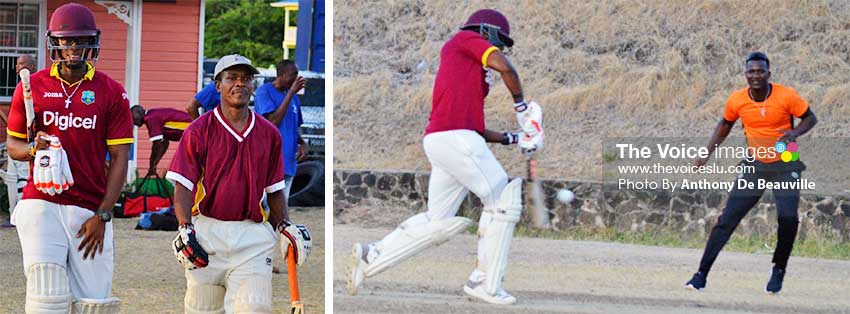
(566, 196)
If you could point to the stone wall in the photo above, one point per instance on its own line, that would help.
(600, 205)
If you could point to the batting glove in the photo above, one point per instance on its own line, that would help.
(188, 250)
(61, 175)
(531, 144)
(51, 174)
(298, 238)
(530, 117)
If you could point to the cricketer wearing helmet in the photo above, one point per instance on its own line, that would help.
(225, 162)
(455, 144)
(63, 218)
(767, 111)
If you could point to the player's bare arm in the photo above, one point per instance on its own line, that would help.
(806, 124)
(529, 120)
(721, 131)
(93, 229)
(182, 204)
(192, 109)
(497, 61)
(20, 150)
(158, 150)
(505, 138)
(278, 212)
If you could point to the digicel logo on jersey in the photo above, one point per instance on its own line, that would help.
(69, 121)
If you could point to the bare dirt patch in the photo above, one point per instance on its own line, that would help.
(561, 276)
(148, 279)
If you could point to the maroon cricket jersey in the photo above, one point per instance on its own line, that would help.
(166, 123)
(460, 86)
(228, 170)
(98, 115)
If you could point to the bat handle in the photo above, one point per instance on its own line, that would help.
(294, 292)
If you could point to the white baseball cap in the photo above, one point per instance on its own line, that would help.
(229, 61)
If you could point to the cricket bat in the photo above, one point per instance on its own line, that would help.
(294, 293)
(539, 212)
(25, 84)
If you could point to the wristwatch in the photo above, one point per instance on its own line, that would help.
(104, 214)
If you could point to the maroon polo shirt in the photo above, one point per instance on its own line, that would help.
(228, 170)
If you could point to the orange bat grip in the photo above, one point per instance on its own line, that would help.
(294, 293)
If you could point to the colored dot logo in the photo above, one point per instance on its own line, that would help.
(788, 151)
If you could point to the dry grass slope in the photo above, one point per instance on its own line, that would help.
(609, 68)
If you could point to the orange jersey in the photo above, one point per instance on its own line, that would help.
(762, 131)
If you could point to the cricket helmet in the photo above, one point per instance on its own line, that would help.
(73, 20)
(494, 24)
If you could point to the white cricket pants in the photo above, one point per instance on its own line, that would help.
(48, 235)
(461, 162)
(243, 251)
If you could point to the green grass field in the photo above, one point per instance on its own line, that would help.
(822, 247)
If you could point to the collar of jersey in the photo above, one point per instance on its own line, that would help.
(54, 72)
(239, 137)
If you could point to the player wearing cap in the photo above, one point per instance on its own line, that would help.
(767, 111)
(164, 125)
(65, 230)
(225, 162)
(461, 162)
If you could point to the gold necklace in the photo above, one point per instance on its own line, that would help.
(763, 107)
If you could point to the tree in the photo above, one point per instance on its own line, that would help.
(250, 28)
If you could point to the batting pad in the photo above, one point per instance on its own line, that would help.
(412, 236)
(254, 296)
(97, 306)
(204, 299)
(48, 291)
(499, 232)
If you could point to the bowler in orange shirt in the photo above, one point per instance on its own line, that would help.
(767, 111)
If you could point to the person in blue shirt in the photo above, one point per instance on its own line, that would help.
(208, 98)
(278, 102)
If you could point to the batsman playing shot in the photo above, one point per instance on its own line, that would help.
(455, 144)
(61, 119)
(225, 162)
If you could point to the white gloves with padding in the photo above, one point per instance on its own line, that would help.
(530, 119)
(51, 172)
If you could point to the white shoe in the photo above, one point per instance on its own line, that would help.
(501, 296)
(356, 268)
